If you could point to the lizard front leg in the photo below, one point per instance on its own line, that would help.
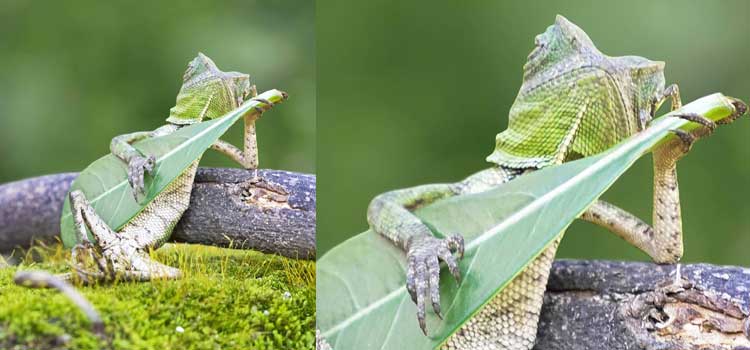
(663, 241)
(112, 255)
(390, 215)
(248, 157)
(138, 163)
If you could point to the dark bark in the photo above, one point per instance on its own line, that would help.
(228, 207)
(605, 305)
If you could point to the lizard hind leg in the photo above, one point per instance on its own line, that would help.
(85, 217)
(87, 257)
(111, 256)
(144, 269)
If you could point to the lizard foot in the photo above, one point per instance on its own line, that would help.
(266, 103)
(137, 167)
(110, 255)
(92, 263)
(423, 259)
(259, 109)
(687, 139)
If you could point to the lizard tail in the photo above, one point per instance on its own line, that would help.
(43, 279)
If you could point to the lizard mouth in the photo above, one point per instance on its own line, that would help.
(535, 52)
(538, 47)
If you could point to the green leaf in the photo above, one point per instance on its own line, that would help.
(362, 302)
(105, 181)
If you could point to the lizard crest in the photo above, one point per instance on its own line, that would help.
(575, 101)
(207, 92)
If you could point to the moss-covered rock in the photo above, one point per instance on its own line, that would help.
(227, 299)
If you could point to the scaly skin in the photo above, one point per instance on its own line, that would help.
(206, 93)
(574, 102)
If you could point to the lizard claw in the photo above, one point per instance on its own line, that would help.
(137, 167)
(686, 138)
(260, 109)
(739, 110)
(75, 198)
(673, 151)
(87, 262)
(677, 150)
(697, 118)
(423, 270)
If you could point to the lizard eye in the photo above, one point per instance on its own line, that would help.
(538, 41)
(538, 47)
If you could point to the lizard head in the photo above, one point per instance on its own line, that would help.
(561, 41)
(565, 42)
(207, 92)
(576, 101)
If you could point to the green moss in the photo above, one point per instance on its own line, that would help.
(228, 299)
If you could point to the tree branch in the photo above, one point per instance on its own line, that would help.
(605, 305)
(272, 212)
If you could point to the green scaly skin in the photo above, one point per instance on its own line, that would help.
(206, 93)
(574, 102)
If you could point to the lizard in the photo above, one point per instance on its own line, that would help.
(574, 101)
(206, 93)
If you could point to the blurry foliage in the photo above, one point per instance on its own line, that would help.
(412, 94)
(75, 74)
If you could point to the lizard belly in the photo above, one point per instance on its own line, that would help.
(509, 320)
(153, 226)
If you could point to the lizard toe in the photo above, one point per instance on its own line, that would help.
(686, 138)
(410, 278)
(421, 286)
(433, 270)
(697, 118)
(739, 110)
(446, 256)
(261, 109)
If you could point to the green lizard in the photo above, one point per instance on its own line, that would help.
(206, 93)
(574, 102)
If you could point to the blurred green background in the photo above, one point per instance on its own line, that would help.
(75, 74)
(412, 93)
